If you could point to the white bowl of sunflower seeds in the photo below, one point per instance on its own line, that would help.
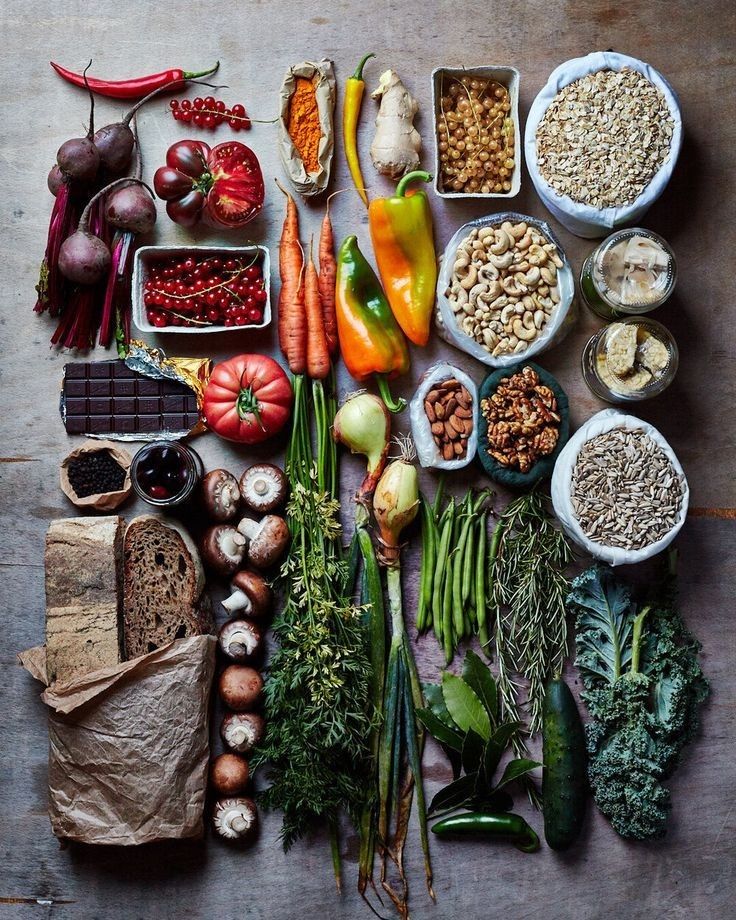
(601, 141)
(618, 489)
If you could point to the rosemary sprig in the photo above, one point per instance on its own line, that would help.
(528, 595)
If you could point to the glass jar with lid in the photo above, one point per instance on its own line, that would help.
(166, 473)
(630, 360)
(631, 272)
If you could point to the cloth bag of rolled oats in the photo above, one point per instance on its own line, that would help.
(582, 219)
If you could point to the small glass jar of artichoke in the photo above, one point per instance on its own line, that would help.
(631, 272)
(630, 360)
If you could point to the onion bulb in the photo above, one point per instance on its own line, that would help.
(363, 425)
(395, 505)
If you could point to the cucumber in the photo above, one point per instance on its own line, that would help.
(564, 781)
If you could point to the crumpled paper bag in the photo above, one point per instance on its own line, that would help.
(129, 745)
(322, 72)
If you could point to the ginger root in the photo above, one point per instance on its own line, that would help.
(396, 145)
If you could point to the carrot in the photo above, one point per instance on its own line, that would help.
(327, 275)
(292, 318)
(318, 355)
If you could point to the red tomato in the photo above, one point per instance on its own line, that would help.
(222, 185)
(247, 399)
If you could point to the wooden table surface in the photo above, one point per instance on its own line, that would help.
(691, 872)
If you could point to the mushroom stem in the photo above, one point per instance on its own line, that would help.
(237, 601)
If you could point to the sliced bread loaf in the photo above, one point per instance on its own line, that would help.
(164, 595)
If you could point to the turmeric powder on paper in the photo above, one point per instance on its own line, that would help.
(304, 127)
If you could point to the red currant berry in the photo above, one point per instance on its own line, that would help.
(210, 102)
(209, 122)
(159, 321)
(185, 117)
(198, 103)
(186, 105)
(238, 111)
(255, 315)
(174, 105)
(252, 272)
(220, 106)
(235, 124)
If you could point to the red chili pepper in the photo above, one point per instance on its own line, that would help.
(132, 89)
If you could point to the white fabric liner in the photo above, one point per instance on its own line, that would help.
(563, 317)
(582, 219)
(427, 451)
(562, 479)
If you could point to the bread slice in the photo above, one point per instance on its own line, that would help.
(164, 595)
(83, 581)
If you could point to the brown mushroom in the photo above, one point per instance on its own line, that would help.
(229, 774)
(235, 819)
(263, 487)
(251, 595)
(240, 639)
(242, 731)
(267, 539)
(223, 549)
(220, 495)
(240, 687)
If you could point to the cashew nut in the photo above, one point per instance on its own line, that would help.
(519, 347)
(488, 271)
(537, 255)
(549, 274)
(503, 260)
(518, 230)
(539, 318)
(529, 278)
(470, 279)
(528, 321)
(476, 291)
(507, 313)
(525, 242)
(521, 332)
(554, 293)
(485, 233)
(512, 287)
(503, 242)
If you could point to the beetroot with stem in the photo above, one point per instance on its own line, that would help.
(84, 257)
(79, 158)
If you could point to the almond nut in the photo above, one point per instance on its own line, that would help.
(448, 452)
(450, 430)
(457, 424)
(460, 448)
(429, 411)
(462, 412)
(439, 410)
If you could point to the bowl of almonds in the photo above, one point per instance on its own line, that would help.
(523, 424)
(444, 418)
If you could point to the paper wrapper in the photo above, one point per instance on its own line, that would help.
(129, 746)
(106, 501)
(323, 74)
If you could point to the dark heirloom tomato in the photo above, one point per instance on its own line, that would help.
(247, 399)
(222, 185)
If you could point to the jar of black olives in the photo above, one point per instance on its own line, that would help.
(166, 473)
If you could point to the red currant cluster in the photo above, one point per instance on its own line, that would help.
(211, 292)
(209, 113)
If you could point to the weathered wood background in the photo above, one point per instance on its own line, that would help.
(691, 873)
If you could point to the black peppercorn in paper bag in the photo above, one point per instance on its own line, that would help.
(129, 746)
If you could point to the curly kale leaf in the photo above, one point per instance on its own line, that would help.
(624, 765)
(643, 688)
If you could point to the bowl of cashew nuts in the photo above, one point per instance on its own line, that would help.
(505, 290)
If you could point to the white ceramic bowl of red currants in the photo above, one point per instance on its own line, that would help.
(201, 288)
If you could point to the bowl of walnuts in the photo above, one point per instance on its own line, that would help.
(523, 424)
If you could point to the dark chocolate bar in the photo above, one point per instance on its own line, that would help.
(108, 398)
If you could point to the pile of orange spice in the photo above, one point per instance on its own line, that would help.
(304, 127)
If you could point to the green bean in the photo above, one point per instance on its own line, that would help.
(483, 636)
(426, 574)
(458, 567)
(449, 639)
(440, 566)
(481, 611)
